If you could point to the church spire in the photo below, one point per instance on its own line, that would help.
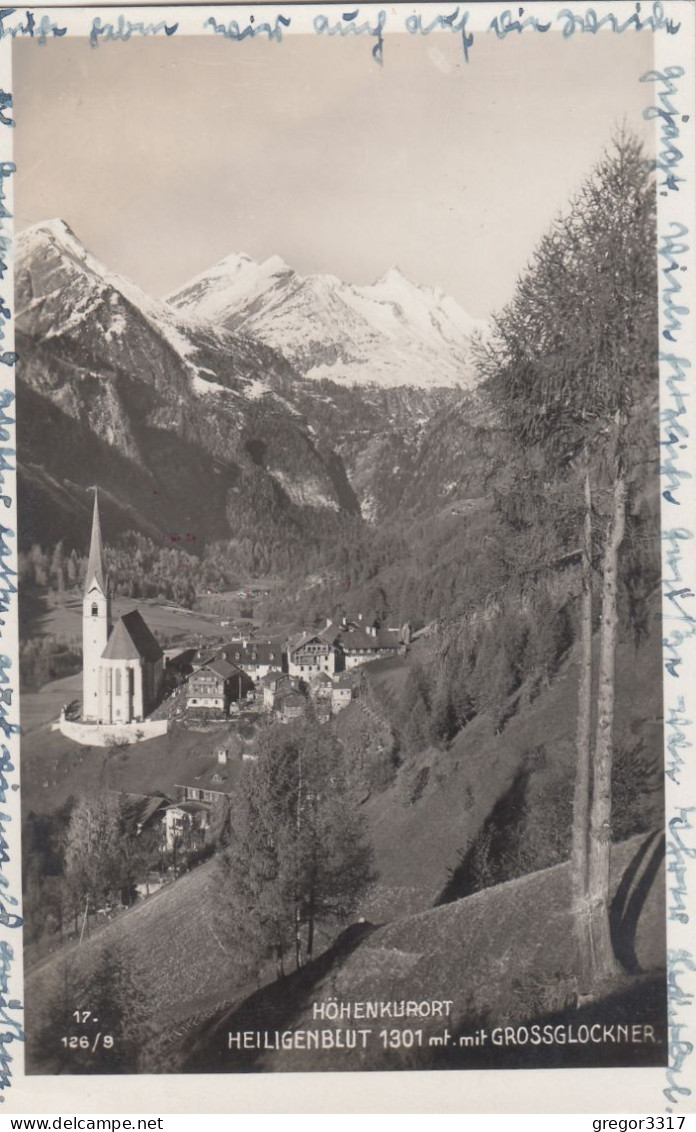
(95, 565)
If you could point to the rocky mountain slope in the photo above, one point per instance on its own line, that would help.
(162, 411)
(220, 395)
(391, 333)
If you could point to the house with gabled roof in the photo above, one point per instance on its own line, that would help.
(214, 684)
(273, 684)
(186, 825)
(344, 690)
(312, 653)
(141, 812)
(257, 658)
(290, 705)
(320, 686)
(362, 642)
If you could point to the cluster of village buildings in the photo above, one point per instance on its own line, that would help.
(132, 691)
(241, 679)
(124, 668)
(283, 677)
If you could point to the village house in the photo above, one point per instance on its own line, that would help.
(189, 819)
(320, 686)
(186, 825)
(344, 690)
(215, 684)
(215, 776)
(312, 653)
(273, 684)
(141, 813)
(209, 791)
(256, 658)
(290, 705)
(320, 690)
(360, 643)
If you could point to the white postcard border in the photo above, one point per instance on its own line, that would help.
(468, 1091)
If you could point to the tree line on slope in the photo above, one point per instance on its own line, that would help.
(90, 855)
(298, 858)
(572, 362)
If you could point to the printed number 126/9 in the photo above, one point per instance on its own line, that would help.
(84, 1042)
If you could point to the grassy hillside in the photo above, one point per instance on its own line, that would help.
(464, 952)
(172, 943)
(39, 618)
(54, 768)
(467, 953)
(427, 826)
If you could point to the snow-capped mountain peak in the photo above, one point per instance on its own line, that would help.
(237, 278)
(393, 276)
(64, 287)
(56, 230)
(57, 236)
(392, 332)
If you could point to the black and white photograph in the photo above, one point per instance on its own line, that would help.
(339, 548)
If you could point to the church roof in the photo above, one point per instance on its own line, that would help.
(131, 640)
(95, 563)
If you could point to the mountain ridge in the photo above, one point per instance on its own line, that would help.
(108, 375)
(393, 332)
(128, 384)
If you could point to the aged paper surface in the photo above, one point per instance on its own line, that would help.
(346, 359)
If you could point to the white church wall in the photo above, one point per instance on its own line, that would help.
(117, 690)
(122, 691)
(95, 634)
(105, 734)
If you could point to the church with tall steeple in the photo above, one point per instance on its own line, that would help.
(122, 663)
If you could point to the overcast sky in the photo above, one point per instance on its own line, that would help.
(166, 155)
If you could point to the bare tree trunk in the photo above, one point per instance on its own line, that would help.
(581, 798)
(605, 961)
(298, 936)
(298, 826)
(310, 925)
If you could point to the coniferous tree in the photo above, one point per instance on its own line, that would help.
(298, 854)
(92, 1020)
(93, 855)
(573, 363)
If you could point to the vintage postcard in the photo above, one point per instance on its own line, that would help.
(348, 639)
